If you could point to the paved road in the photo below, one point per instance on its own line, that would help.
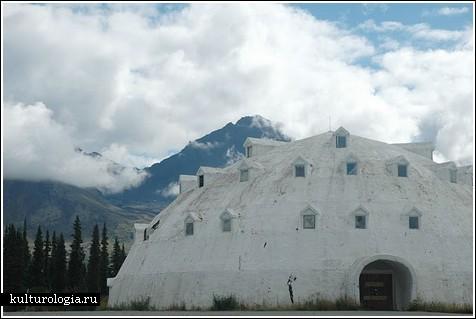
(231, 313)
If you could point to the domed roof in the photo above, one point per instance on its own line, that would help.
(326, 181)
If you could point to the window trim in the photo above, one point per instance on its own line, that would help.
(313, 221)
(414, 212)
(360, 212)
(308, 210)
(227, 215)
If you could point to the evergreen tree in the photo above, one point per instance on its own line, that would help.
(93, 271)
(104, 262)
(46, 256)
(58, 278)
(76, 268)
(123, 254)
(13, 264)
(52, 264)
(37, 274)
(8, 259)
(12, 260)
(116, 258)
(25, 248)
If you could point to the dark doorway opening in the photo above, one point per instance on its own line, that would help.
(385, 285)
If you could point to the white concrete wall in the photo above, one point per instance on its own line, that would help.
(187, 182)
(172, 268)
(464, 175)
(260, 149)
(423, 149)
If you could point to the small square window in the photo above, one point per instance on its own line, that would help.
(299, 171)
(341, 141)
(309, 221)
(201, 180)
(413, 222)
(226, 225)
(452, 175)
(351, 168)
(189, 229)
(402, 170)
(244, 174)
(360, 222)
(249, 151)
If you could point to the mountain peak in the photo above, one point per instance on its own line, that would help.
(253, 121)
(217, 149)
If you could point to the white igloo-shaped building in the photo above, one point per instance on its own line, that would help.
(380, 224)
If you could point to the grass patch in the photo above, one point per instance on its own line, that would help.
(230, 302)
(419, 305)
(221, 303)
(177, 307)
(103, 304)
(315, 304)
(142, 304)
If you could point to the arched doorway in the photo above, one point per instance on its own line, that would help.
(382, 282)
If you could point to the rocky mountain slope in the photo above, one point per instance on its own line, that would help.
(54, 205)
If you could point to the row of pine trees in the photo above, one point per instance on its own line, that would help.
(50, 268)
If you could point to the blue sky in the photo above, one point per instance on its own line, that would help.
(437, 16)
(406, 13)
(352, 14)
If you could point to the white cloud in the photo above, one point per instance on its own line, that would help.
(232, 155)
(120, 154)
(38, 148)
(389, 44)
(423, 31)
(204, 146)
(171, 190)
(425, 84)
(448, 11)
(133, 84)
(420, 31)
(371, 8)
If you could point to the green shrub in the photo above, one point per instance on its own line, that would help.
(344, 303)
(176, 307)
(103, 305)
(221, 303)
(312, 304)
(141, 304)
(322, 304)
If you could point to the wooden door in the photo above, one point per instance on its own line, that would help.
(376, 291)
